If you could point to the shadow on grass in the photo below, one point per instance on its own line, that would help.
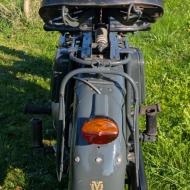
(26, 63)
(18, 167)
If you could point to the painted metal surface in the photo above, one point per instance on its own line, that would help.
(86, 51)
(93, 165)
(111, 167)
(114, 50)
(101, 71)
(135, 68)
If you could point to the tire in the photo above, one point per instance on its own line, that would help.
(131, 172)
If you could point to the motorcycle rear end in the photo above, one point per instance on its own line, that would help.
(98, 89)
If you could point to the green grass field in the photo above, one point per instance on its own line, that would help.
(26, 58)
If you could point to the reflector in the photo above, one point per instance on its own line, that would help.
(100, 131)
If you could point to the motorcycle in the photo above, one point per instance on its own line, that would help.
(98, 91)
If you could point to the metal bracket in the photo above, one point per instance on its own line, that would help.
(135, 116)
(86, 50)
(155, 107)
(114, 47)
(147, 138)
(151, 112)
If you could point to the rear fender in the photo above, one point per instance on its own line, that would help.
(99, 167)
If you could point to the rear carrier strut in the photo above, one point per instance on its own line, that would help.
(100, 70)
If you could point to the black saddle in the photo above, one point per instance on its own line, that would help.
(150, 9)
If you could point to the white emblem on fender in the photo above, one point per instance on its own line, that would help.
(97, 185)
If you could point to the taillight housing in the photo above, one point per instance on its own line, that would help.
(100, 131)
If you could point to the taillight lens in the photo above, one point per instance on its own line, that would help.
(100, 131)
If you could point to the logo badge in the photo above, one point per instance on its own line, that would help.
(97, 185)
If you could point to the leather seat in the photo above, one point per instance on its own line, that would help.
(101, 3)
(52, 8)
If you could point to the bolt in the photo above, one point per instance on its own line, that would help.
(98, 160)
(77, 159)
(118, 160)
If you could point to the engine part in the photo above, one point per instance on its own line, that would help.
(101, 39)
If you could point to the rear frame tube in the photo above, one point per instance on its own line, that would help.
(100, 70)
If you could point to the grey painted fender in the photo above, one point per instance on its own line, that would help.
(98, 167)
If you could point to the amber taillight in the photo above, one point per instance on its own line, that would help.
(100, 131)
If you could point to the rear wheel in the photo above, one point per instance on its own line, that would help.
(131, 172)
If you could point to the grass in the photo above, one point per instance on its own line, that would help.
(26, 58)
(166, 50)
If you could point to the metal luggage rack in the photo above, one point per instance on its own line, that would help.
(100, 70)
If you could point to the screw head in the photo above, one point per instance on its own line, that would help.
(118, 160)
(77, 159)
(98, 160)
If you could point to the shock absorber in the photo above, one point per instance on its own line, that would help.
(101, 38)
